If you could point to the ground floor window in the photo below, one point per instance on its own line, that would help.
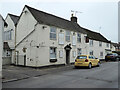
(101, 54)
(61, 53)
(52, 53)
(74, 54)
(79, 51)
(91, 52)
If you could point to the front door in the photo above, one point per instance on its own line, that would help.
(67, 56)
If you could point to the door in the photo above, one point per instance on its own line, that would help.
(24, 60)
(67, 56)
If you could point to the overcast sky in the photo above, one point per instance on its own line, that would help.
(97, 15)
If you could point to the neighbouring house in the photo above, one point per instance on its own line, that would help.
(116, 45)
(45, 39)
(2, 24)
(9, 38)
(98, 45)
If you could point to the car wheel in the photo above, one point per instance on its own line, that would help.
(90, 66)
(98, 64)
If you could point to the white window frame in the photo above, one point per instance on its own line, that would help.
(52, 52)
(107, 45)
(61, 38)
(101, 54)
(74, 40)
(79, 50)
(53, 33)
(74, 54)
(67, 35)
(91, 42)
(91, 51)
(61, 54)
(100, 44)
(78, 37)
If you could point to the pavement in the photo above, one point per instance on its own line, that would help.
(12, 73)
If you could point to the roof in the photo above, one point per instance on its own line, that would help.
(95, 36)
(5, 24)
(6, 46)
(14, 18)
(49, 19)
(116, 44)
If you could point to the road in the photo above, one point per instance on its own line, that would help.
(105, 76)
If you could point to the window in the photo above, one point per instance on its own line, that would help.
(107, 44)
(100, 44)
(52, 33)
(8, 35)
(82, 57)
(74, 54)
(91, 52)
(61, 38)
(52, 53)
(79, 51)
(91, 42)
(101, 54)
(79, 37)
(61, 54)
(74, 40)
(67, 36)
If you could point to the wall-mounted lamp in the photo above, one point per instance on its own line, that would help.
(25, 12)
(44, 27)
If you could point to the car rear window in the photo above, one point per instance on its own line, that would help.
(82, 57)
(109, 54)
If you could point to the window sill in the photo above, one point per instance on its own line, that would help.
(53, 60)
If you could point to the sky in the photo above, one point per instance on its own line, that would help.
(96, 15)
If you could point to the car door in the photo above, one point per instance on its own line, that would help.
(91, 60)
(95, 61)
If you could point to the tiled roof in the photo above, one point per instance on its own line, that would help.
(14, 18)
(95, 36)
(49, 19)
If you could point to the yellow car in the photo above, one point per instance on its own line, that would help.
(87, 61)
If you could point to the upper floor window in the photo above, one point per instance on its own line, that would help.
(67, 35)
(52, 33)
(100, 44)
(91, 43)
(61, 38)
(107, 44)
(79, 37)
(74, 40)
(8, 35)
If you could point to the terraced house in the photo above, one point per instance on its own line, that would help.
(9, 38)
(44, 39)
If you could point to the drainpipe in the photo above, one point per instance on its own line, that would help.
(15, 45)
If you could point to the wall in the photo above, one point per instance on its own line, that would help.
(10, 26)
(97, 49)
(1, 42)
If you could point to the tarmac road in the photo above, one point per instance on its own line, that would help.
(105, 76)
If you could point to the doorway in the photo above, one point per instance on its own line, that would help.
(67, 57)
(24, 60)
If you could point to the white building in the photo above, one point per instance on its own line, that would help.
(98, 45)
(44, 39)
(9, 38)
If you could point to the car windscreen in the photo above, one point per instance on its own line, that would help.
(82, 57)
